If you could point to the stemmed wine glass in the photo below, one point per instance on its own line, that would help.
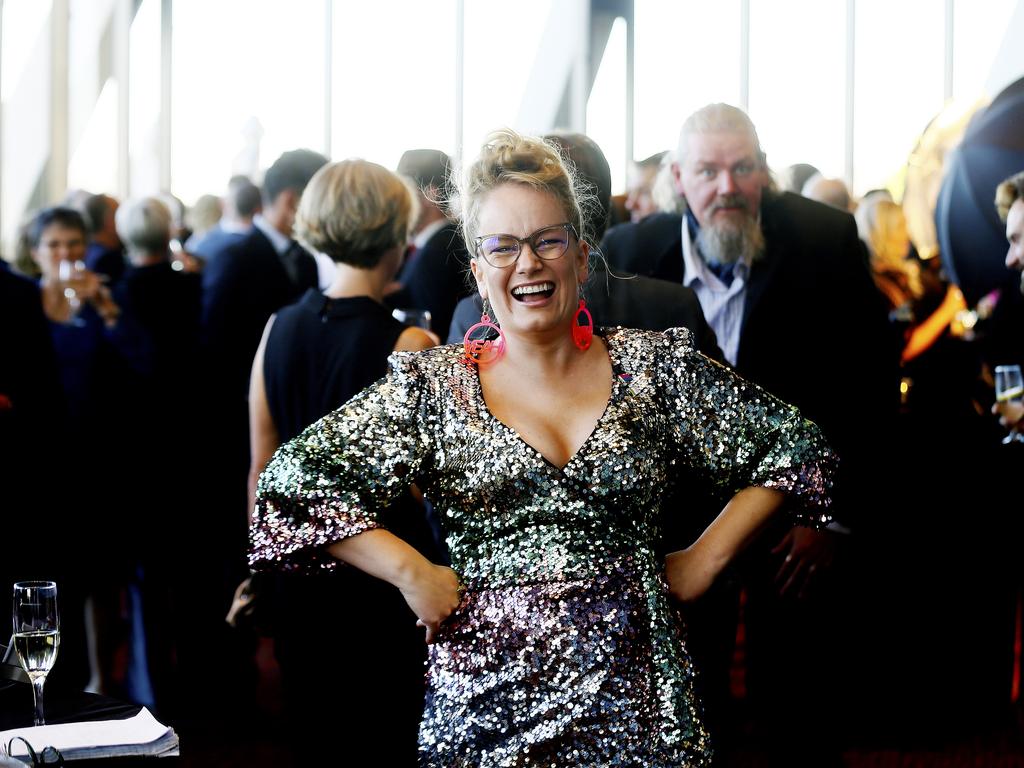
(68, 272)
(1010, 389)
(36, 634)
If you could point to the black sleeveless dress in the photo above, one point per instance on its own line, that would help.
(321, 352)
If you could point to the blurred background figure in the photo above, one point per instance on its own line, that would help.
(161, 407)
(831, 192)
(639, 190)
(239, 205)
(315, 355)
(98, 349)
(105, 252)
(434, 275)
(916, 320)
(793, 177)
(202, 217)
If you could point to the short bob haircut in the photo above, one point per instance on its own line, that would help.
(144, 225)
(355, 211)
(1007, 193)
(509, 158)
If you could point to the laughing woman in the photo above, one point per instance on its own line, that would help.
(546, 454)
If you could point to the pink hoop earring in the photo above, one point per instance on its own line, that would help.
(582, 334)
(483, 350)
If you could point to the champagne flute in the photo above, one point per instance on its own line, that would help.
(68, 272)
(420, 318)
(1010, 389)
(36, 634)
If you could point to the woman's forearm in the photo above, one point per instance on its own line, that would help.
(432, 591)
(382, 554)
(737, 524)
(691, 571)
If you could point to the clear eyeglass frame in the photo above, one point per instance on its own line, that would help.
(515, 245)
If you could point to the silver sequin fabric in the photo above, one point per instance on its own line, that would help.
(566, 649)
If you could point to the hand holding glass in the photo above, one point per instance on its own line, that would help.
(36, 634)
(69, 272)
(1010, 389)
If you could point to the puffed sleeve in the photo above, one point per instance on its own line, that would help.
(737, 435)
(329, 482)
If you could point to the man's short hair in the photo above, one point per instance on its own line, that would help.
(292, 170)
(719, 118)
(591, 168)
(244, 196)
(96, 207)
(68, 218)
(144, 225)
(427, 168)
(1008, 192)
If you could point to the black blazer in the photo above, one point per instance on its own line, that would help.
(630, 301)
(243, 286)
(814, 325)
(435, 278)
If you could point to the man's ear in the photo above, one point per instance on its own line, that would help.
(677, 179)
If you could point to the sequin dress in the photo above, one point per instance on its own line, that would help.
(565, 649)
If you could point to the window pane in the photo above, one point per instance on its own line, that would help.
(798, 82)
(93, 163)
(898, 84)
(500, 52)
(395, 91)
(25, 48)
(978, 30)
(606, 109)
(248, 85)
(24, 21)
(144, 100)
(687, 55)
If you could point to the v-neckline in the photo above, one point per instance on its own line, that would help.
(613, 396)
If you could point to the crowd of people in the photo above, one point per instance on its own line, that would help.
(650, 454)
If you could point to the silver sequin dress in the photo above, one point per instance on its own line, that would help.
(565, 650)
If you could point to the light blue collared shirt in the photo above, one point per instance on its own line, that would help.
(722, 304)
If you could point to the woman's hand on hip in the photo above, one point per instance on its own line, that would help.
(433, 594)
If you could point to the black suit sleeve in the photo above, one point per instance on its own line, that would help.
(467, 314)
(435, 279)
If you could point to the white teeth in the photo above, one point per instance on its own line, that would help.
(523, 290)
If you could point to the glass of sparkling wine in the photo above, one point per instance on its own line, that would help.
(69, 272)
(1010, 389)
(36, 634)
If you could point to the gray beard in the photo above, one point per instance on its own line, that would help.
(727, 245)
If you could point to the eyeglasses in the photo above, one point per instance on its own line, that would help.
(503, 250)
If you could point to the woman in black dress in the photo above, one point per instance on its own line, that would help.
(314, 356)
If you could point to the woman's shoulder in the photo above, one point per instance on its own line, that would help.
(445, 358)
(643, 345)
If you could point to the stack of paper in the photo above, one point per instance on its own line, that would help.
(141, 735)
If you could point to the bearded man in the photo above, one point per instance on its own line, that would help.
(784, 283)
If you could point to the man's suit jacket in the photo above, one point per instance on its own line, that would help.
(213, 242)
(243, 286)
(435, 278)
(629, 300)
(814, 325)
